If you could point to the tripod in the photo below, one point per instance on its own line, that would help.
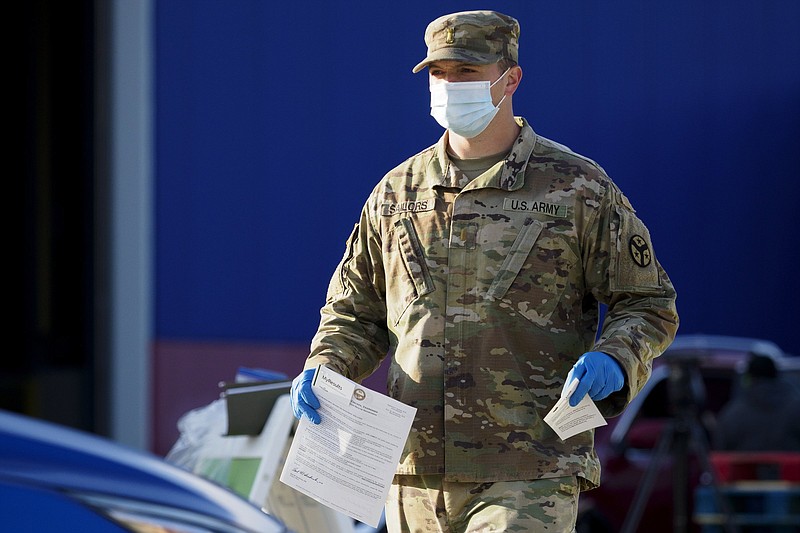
(683, 433)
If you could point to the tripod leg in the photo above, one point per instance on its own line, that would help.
(646, 486)
(702, 447)
(680, 478)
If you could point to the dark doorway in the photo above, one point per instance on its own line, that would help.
(56, 278)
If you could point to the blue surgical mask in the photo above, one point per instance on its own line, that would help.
(464, 107)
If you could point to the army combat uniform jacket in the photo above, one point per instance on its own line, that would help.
(484, 293)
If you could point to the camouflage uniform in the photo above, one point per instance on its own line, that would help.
(484, 293)
(426, 504)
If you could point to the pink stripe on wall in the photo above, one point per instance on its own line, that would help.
(187, 373)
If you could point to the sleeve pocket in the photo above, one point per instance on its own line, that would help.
(634, 261)
(338, 281)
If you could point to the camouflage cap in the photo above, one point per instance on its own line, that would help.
(479, 37)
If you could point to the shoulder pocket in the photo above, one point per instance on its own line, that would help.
(634, 262)
(338, 282)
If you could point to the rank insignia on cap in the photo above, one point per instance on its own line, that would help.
(640, 251)
(484, 37)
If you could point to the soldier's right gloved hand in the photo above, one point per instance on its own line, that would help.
(304, 401)
(598, 374)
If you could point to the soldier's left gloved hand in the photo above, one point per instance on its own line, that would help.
(599, 375)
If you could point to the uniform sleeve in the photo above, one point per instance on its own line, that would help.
(352, 336)
(622, 272)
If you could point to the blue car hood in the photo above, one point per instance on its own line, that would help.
(51, 456)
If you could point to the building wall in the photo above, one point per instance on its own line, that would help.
(275, 120)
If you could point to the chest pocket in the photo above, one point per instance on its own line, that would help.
(534, 274)
(411, 281)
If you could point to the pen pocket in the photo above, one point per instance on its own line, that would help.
(413, 280)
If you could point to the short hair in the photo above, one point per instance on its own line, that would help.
(506, 63)
(762, 366)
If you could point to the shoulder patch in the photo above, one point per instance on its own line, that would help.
(640, 251)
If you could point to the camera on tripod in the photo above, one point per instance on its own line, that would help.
(684, 437)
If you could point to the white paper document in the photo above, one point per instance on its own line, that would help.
(347, 461)
(567, 421)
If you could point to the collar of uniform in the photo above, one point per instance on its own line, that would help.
(511, 175)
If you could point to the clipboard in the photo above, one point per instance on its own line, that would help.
(249, 404)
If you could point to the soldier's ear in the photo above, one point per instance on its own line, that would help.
(513, 79)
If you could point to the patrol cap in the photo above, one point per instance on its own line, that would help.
(480, 37)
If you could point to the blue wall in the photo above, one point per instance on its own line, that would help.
(275, 120)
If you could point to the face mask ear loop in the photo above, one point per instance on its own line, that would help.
(500, 78)
(495, 81)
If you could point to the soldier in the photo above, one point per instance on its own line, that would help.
(478, 266)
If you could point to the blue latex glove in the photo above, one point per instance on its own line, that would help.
(304, 401)
(599, 375)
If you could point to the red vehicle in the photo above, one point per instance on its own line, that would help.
(676, 409)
